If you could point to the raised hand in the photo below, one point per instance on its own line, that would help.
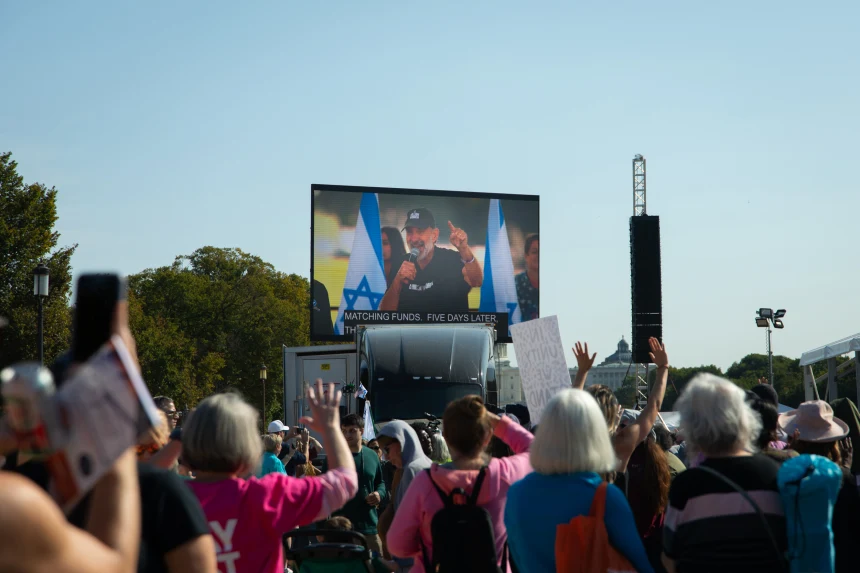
(459, 238)
(582, 360)
(325, 408)
(793, 439)
(658, 353)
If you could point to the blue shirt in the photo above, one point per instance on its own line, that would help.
(538, 503)
(271, 465)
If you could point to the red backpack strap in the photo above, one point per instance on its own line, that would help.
(598, 503)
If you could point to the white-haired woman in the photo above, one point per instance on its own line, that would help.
(709, 525)
(570, 450)
(248, 517)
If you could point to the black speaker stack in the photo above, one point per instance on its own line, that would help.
(646, 284)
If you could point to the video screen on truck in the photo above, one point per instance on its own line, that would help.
(410, 256)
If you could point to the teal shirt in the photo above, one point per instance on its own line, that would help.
(538, 503)
(364, 517)
(271, 465)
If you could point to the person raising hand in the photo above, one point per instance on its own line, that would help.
(583, 363)
(431, 277)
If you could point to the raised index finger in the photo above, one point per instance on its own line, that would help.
(451, 226)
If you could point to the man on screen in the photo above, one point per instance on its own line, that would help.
(440, 279)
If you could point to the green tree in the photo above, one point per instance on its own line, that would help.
(626, 394)
(787, 376)
(28, 213)
(207, 322)
(678, 378)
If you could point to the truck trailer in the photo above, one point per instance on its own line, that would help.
(409, 371)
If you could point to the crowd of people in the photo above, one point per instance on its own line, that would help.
(592, 487)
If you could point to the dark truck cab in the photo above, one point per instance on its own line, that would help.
(410, 371)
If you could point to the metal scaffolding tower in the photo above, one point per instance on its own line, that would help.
(639, 209)
(639, 186)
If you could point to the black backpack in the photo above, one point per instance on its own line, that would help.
(463, 535)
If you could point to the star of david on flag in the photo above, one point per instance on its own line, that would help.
(365, 282)
(363, 290)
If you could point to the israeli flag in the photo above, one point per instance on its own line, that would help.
(499, 291)
(362, 391)
(369, 430)
(365, 277)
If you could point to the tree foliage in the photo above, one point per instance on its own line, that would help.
(678, 378)
(207, 322)
(787, 376)
(28, 213)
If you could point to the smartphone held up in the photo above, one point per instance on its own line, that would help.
(80, 424)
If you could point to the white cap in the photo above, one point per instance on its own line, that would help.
(278, 426)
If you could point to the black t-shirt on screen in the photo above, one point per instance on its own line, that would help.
(439, 287)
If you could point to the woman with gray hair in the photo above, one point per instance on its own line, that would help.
(726, 513)
(249, 517)
(570, 451)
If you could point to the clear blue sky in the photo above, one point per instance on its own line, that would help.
(169, 126)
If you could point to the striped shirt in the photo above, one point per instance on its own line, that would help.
(710, 527)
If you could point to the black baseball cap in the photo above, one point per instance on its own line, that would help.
(421, 218)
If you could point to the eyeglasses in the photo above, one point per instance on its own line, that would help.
(172, 414)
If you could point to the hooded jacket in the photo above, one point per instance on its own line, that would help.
(414, 459)
(422, 501)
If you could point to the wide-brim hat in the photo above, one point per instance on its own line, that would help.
(815, 422)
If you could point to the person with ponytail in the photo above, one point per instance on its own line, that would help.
(467, 427)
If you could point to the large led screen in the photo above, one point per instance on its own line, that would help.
(409, 256)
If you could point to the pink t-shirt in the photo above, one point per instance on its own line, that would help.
(247, 518)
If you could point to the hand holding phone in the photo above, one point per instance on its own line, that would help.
(100, 310)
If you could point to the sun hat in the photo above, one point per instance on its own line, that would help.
(815, 422)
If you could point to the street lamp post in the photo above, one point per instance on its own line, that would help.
(263, 380)
(764, 318)
(41, 276)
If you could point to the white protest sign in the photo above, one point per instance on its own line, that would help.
(540, 357)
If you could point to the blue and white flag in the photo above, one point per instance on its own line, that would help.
(369, 430)
(499, 291)
(362, 391)
(365, 277)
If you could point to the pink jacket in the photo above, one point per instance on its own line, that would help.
(422, 501)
